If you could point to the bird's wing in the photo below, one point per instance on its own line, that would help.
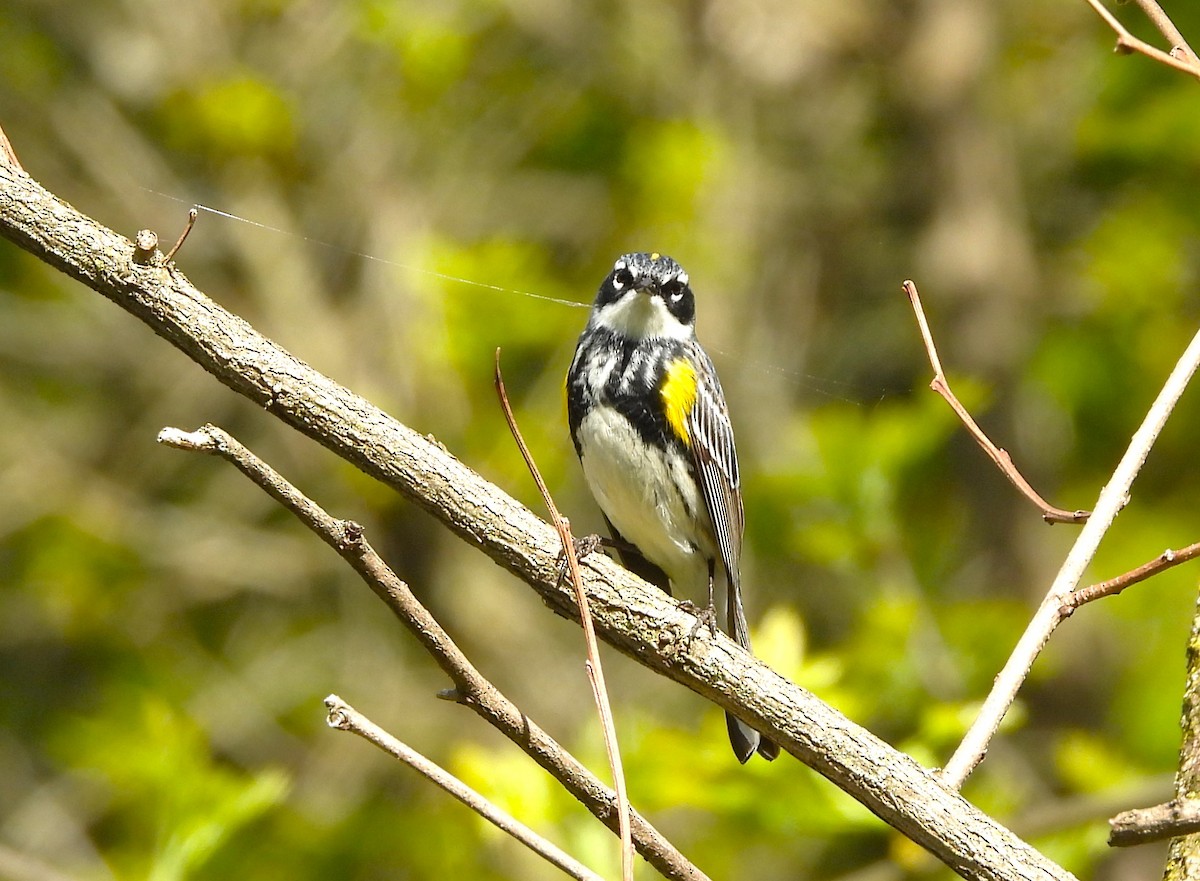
(711, 435)
(713, 452)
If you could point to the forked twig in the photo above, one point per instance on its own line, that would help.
(1127, 42)
(345, 718)
(594, 670)
(1166, 27)
(1050, 613)
(1000, 456)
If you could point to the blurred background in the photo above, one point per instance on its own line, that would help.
(167, 633)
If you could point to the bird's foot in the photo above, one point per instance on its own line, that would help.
(584, 546)
(705, 616)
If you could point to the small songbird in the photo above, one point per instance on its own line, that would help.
(652, 431)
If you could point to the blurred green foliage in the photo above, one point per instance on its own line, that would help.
(167, 634)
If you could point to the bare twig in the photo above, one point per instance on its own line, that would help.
(1166, 560)
(345, 718)
(1166, 27)
(471, 688)
(1001, 457)
(1127, 42)
(193, 213)
(1143, 825)
(594, 670)
(1050, 613)
(640, 622)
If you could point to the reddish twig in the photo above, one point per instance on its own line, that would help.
(1113, 586)
(1127, 42)
(594, 670)
(1000, 456)
(193, 213)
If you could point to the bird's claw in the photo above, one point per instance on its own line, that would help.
(705, 615)
(584, 546)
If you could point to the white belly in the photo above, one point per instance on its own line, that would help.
(642, 501)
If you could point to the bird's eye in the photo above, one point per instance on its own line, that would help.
(674, 290)
(622, 278)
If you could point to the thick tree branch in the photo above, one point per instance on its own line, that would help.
(1183, 859)
(640, 622)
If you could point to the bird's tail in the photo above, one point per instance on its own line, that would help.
(746, 741)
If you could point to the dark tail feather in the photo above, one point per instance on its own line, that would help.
(745, 740)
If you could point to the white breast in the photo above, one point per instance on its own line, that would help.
(638, 490)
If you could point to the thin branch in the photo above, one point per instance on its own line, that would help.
(1050, 613)
(630, 616)
(1167, 28)
(471, 688)
(345, 718)
(193, 213)
(1113, 586)
(1127, 42)
(1144, 825)
(594, 669)
(1001, 457)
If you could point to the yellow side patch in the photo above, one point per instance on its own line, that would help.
(679, 396)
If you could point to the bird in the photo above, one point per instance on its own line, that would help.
(651, 428)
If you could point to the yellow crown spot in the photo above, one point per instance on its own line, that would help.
(679, 396)
(655, 255)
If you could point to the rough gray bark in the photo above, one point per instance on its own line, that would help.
(1183, 860)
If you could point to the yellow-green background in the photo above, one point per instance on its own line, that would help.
(167, 633)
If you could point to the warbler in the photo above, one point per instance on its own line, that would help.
(651, 428)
